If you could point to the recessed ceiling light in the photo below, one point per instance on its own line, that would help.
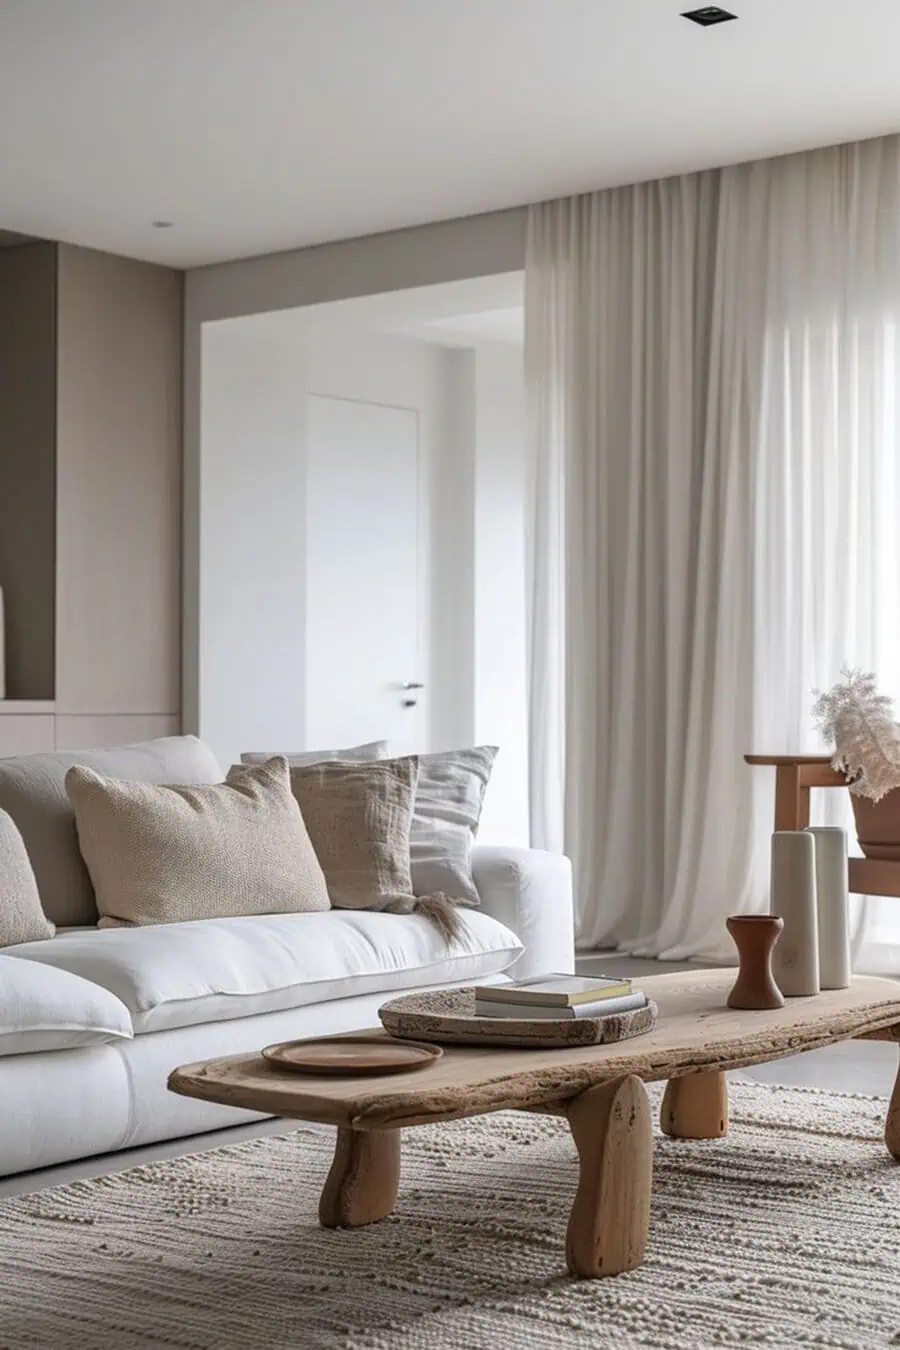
(708, 15)
(162, 224)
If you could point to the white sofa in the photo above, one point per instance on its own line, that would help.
(92, 1022)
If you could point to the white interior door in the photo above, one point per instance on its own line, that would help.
(362, 575)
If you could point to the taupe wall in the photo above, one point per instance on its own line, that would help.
(90, 497)
(28, 466)
(397, 260)
(119, 487)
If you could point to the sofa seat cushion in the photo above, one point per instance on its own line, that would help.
(43, 1008)
(182, 974)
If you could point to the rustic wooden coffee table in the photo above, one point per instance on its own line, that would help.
(599, 1089)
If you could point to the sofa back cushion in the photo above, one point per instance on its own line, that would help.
(33, 791)
(21, 916)
(449, 796)
(161, 854)
(354, 754)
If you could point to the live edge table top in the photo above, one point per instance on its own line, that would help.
(695, 1033)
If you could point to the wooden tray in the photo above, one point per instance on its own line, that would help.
(350, 1055)
(448, 1015)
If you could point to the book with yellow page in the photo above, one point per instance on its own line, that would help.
(556, 991)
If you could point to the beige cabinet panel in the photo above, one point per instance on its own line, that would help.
(118, 485)
(91, 733)
(24, 735)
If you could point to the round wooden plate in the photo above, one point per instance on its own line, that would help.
(351, 1055)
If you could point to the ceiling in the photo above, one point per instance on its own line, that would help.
(452, 314)
(489, 325)
(259, 125)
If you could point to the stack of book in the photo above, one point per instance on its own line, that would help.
(556, 996)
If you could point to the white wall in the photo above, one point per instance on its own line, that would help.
(452, 644)
(251, 639)
(499, 587)
(250, 644)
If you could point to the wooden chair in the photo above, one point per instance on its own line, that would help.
(795, 776)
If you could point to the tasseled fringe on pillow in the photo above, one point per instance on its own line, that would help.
(443, 913)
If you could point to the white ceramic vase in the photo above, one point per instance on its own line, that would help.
(795, 960)
(832, 904)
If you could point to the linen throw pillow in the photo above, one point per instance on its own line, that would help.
(21, 917)
(359, 817)
(177, 853)
(449, 796)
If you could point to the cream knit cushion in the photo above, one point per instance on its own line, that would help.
(33, 791)
(21, 917)
(173, 854)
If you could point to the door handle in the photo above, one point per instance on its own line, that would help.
(413, 684)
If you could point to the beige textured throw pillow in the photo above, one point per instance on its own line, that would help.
(33, 791)
(21, 917)
(359, 817)
(173, 854)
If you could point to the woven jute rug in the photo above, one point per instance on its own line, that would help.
(785, 1234)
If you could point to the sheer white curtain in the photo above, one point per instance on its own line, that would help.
(712, 366)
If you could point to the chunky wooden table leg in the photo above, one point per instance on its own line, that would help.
(610, 1218)
(695, 1107)
(365, 1175)
(892, 1124)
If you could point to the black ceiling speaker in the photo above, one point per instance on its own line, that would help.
(708, 15)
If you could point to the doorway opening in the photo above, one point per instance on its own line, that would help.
(362, 540)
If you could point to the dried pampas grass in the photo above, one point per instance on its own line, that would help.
(860, 723)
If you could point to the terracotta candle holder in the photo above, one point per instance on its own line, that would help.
(755, 936)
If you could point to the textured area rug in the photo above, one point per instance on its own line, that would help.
(785, 1234)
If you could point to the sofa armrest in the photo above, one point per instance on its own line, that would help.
(531, 893)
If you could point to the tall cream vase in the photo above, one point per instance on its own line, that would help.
(832, 905)
(795, 960)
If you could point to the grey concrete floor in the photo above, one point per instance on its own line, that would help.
(867, 1067)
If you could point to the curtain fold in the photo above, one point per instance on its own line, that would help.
(712, 368)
